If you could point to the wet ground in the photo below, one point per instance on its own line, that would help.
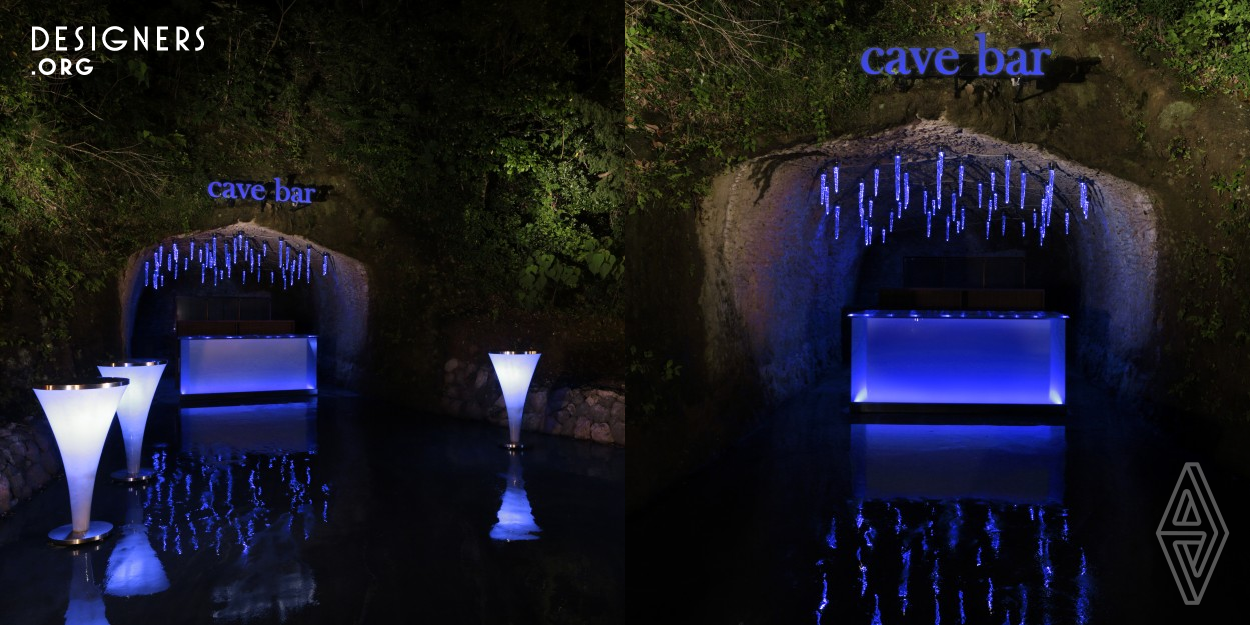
(825, 516)
(332, 509)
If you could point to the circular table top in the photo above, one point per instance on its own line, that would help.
(134, 362)
(84, 384)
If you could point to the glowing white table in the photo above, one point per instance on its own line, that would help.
(961, 357)
(80, 414)
(248, 364)
(514, 370)
(132, 412)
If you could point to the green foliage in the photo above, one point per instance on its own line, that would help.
(661, 388)
(1207, 41)
(1213, 308)
(502, 157)
(1211, 46)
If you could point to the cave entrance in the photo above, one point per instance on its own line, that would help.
(324, 294)
(788, 254)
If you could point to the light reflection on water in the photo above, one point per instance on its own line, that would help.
(250, 518)
(133, 567)
(956, 524)
(86, 604)
(248, 488)
(516, 517)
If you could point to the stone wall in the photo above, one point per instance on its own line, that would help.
(592, 412)
(28, 461)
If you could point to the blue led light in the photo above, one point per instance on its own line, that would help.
(978, 359)
(248, 364)
(1084, 201)
(898, 180)
(824, 194)
(1007, 176)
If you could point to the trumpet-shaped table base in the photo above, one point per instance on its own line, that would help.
(96, 531)
(122, 475)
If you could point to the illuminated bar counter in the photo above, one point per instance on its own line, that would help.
(248, 364)
(957, 357)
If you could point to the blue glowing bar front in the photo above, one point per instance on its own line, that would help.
(962, 357)
(248, 364)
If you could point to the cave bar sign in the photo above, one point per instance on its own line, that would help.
(947, 62)
(246, 190)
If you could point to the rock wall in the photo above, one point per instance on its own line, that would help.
(595, 413)
(28, 461)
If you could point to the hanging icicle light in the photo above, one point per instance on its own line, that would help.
(1050, 194)
(861, 196)
(1024, 180)
(956, 220)
(1007, 176)
(824, 194)
(1084, 200)
(898, 180)
(325, 261)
